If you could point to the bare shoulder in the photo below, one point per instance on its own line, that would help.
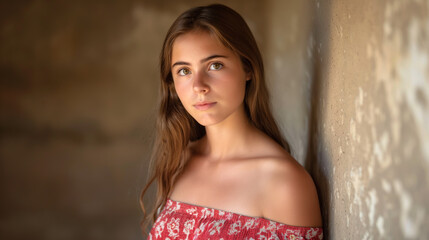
(289, 195)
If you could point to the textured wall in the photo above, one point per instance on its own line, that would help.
(362, 73)
(371, 135)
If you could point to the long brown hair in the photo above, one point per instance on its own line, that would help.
(175, 127)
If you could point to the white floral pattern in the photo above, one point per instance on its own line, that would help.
(173, 227)
(215, 226)
(192, 211)
(159, 229)
(189, 225)
(250, 224)
(180, 220)
(234, 228)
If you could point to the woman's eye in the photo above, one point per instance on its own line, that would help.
(216, 66)
(183, 72)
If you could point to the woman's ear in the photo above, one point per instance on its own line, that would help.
(248, 76)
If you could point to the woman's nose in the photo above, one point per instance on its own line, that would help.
(200, 83)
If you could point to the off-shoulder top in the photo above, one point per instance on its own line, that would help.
(179, 220)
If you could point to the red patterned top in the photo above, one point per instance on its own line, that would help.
(180, 220)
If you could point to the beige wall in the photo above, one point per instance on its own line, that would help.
(351, 84)
(78, 90)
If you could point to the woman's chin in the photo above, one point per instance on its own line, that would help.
(206, 121)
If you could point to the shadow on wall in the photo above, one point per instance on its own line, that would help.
(318, 161)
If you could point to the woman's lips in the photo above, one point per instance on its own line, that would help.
(204, 105)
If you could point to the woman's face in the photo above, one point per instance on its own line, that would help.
(208, 77)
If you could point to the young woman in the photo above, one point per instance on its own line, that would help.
(222, 168)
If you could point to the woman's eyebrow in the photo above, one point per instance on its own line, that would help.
(211, 57)
(201, 61)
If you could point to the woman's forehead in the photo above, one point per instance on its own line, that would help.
(197, 44)
(200, 37)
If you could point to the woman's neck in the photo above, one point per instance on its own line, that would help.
(229, 138)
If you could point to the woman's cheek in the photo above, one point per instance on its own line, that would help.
(183, 93)
(179, 90)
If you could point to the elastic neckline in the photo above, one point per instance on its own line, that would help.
(239, 214)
